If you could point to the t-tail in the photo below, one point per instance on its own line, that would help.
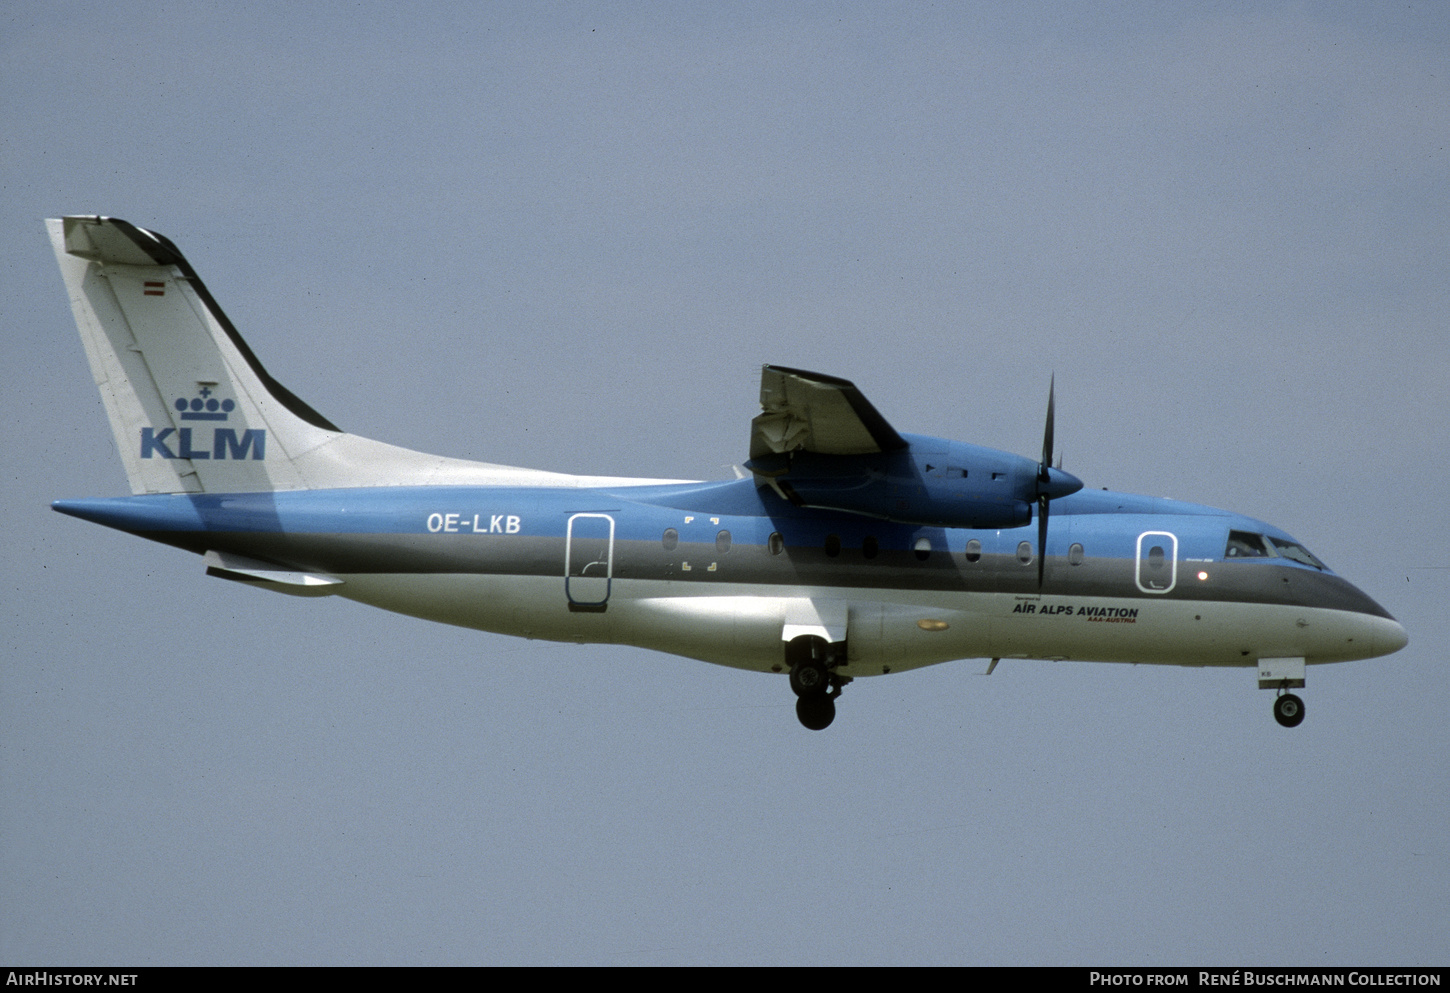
(191, 408)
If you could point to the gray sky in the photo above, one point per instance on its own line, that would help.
(567, 236)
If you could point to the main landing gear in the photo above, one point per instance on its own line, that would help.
(1288, 710)
(813, 677)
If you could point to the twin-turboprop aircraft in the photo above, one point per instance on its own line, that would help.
(850, 549)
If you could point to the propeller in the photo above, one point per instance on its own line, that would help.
(1051, 483)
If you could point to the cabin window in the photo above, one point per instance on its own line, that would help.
(722, 542)
(922, 549)
(974, 550)
(1024, 552)
(670, 539)
(1074, 554)
(776, 543)
(869, 547)
(833, 545)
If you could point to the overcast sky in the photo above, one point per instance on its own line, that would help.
(567, 236)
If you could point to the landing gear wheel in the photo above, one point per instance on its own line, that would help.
(810, 679)
(816, 712)
(1289, 710)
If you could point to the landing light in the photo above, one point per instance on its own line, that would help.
(928, 624)
(1203, 575)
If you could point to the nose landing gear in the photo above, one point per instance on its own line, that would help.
(1284, 674)
(1288, 710)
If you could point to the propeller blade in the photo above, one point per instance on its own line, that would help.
(1042, 502)
(1047, 434)
(1044, 476)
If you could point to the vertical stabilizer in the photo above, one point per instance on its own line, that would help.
(191, 408)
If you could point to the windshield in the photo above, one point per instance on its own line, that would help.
(1295, 551)
(1248, 545)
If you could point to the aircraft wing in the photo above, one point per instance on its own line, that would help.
(811, 412)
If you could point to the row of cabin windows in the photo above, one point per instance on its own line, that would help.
(671, 538)
(870, 547)
(1241, 544)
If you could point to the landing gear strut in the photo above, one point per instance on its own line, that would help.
(813, 677)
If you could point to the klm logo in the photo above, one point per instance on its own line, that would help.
(205, 407)
(224, 441)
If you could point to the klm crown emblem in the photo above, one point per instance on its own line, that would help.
(204, 407)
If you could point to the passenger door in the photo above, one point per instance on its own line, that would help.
(589, 562)
(1157, 566)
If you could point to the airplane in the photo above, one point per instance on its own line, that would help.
(848, 549)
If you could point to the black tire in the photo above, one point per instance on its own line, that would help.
(1289, 710)
(809, 679)
(816, 712)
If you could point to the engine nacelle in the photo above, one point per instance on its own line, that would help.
(930, 482)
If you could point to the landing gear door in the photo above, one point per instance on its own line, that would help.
(589, 561)
(1157, 566)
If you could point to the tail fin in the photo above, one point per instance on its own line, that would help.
(191, 407)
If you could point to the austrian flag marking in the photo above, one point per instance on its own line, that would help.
(153, 289)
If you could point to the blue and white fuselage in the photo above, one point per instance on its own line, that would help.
(850, 550)
(689, 569)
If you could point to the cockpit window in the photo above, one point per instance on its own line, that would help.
(1295, 551)
(1245, 545)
